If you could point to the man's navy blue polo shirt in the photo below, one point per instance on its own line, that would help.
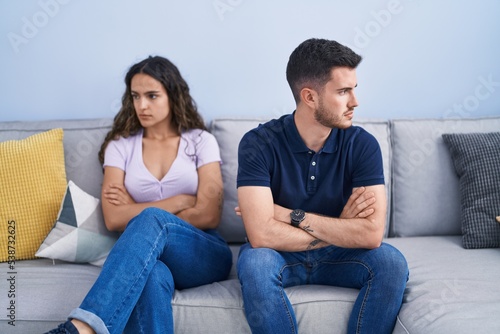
(274, 155)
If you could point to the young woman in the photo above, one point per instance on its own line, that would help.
(162, 187)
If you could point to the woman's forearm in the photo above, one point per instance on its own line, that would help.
(118, 216)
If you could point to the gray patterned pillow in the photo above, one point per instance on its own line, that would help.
(79, 233)
(476, 157)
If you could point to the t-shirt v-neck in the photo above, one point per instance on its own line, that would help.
(171, 165)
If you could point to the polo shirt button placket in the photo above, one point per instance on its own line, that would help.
(311, 186)
(313, 163)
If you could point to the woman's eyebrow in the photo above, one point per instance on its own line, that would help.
(148, 92)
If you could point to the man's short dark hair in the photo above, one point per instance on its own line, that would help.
(311, 62)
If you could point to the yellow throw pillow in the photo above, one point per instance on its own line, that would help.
(32, 185)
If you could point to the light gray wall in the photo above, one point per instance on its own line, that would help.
(422, 58)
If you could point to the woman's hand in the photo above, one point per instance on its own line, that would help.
(117, 195)
(185, 202)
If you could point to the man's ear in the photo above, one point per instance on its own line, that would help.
(309, 97)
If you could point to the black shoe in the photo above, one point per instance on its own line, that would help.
(64, 328)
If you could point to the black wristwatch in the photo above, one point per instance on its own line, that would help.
(296, 217)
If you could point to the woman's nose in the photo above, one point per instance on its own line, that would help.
(143, 103)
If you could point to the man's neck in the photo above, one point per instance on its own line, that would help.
(312, 133)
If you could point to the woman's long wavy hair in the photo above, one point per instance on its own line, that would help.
(183, 108)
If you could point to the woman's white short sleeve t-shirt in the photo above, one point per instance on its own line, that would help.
(196, 148)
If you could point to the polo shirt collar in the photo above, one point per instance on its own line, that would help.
(298, 145)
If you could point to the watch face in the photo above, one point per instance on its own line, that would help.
(297, 215)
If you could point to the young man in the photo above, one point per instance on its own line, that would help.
(312, 198)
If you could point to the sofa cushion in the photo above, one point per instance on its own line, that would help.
(381, 131)
(46, 294)
(218, 308)
(32, 183)
(426, 194)
(79, 233)
(476, 157)
(229, 132)
(450, 289)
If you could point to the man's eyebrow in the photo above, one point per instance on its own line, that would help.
(347, 88)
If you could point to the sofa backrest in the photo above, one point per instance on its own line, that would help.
(82, 140)
(422, 186)
(425, 186)
(229, 132)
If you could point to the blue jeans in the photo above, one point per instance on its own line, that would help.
(156, 253)
(380, 274)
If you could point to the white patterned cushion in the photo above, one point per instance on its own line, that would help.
(79, 234)
(476, 157)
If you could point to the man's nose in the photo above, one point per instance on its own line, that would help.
(353, 102)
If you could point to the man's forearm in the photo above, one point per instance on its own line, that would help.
(284, 237)
(348, 233)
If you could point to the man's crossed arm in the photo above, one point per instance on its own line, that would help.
(360, 225)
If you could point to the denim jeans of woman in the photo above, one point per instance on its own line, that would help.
(156, 253)
(380, 274)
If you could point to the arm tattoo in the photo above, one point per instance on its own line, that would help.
(308, 229)
(313, 243)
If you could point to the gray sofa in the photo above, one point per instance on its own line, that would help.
(451, 289)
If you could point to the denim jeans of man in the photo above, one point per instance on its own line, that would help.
(380, 274)
(156, 253)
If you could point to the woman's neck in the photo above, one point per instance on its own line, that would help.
(160, 132)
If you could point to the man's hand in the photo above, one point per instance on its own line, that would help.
(361, 224)
(359, 204)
